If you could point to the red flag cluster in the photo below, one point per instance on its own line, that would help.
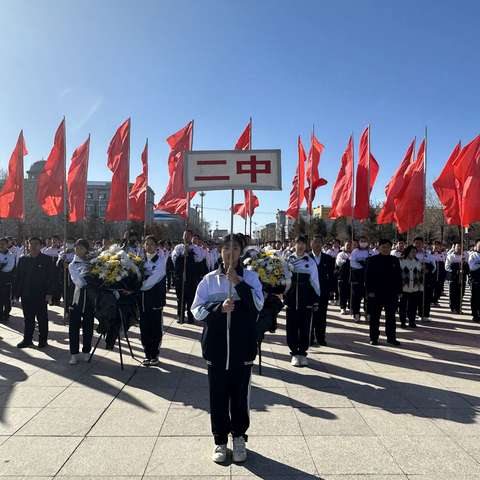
(299, 191)
(367, 171)
(458, 185)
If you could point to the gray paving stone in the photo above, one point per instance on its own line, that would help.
(280, 456)
(430, 455)
(45, 455)
(173, 456)
(351, 455)
(103, 456)
(470, 445)
(62, 422)
(455, 422)
(78, 397)
(20, 396)
(11, 419)
(325, 397)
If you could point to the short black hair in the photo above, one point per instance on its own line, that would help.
(81, 242)
(232, 238)
(384, 241)
(152, 238)
(35, 239)
(418, 238)
(407, 251)
(301, 238)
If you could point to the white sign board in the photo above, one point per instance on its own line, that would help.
(232, 170)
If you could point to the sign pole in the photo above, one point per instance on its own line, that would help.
(65, 218)
(230, 286)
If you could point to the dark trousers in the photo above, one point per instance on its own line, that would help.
(229, 402)
(344, 294)
(187, 299)
(408, 307)
(455, 299)
(358, 293)
(299, 326)
(319, 319)
(475, 301)
(151, 331)
(438, 290)
(35, 309)
(375, 306)
(5, 301)
(85, 322)
(425, 301)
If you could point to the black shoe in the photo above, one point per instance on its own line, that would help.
(412, 325)
(373, 342)
(403, 325)
(42, 344)
(24, 344)
(394, 343)
(476, 319)
(323, 343)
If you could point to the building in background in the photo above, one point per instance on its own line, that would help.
(37, 223)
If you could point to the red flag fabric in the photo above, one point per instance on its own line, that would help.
(175, 198)
(387, 213)
(138, 194)
(342, 190)
(247, 208)
(119, 164)
(447, 188)
(409, 204)
(77, 182)
(51, 182)
(467, 172)
(11, 195)
(297, 193)
(313, 179)
(362, 188)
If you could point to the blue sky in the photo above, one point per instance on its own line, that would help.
(398, 65)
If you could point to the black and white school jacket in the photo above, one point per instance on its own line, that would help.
(153, 291)
(304, 290)
(78, 268)
(228, 343)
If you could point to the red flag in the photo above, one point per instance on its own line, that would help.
(51, 182)
(367, 167)
(447, 188)
(297, 193)
(409, 204)
(342, 190)
(11, 195)
(138, 194)
(119, 163)
(313, 178)
(467, 172)
(387, 213)
(175, 198)
(77, 182)
(251, 201)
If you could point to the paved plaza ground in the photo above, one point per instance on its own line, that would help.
(358, 411)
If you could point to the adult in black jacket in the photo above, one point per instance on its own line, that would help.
(34, 284)
(383, 282)
(326, 277)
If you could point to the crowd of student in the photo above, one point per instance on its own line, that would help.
(213, 287)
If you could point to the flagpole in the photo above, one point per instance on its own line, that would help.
(146, 195)
(310, 191)
(352, 217)
(368, 169)
(65, 217)
(185, 246)
(424, 212)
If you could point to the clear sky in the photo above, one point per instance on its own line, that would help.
(398, 65)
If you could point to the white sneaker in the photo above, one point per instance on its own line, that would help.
(85, 356)
(303, 361)
(425, 319)
(295, 361)
(219, 454)
(239, 450)
(356, 318)
(343, 311)
(73, 359)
